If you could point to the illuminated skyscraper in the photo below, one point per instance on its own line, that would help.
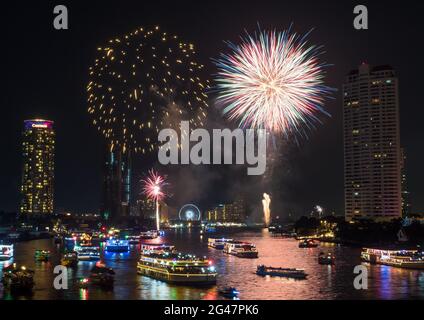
(38, 150)
(372, 144)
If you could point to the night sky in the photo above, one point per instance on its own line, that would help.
(44, 74)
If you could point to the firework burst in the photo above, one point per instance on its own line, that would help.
(153, 186)
(142, 82)
(272, 81)
(153, 189)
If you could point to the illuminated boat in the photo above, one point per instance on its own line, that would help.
(177, 268)
(325, 258)
(133, 239)
(42, 255)
(17, 278)
(69, 259)
(115, 245)
(409, 259)
(241, 249)
(6, 252)
(157, 249)
(152, 234)
(218, 243)
(87, 252)
(281, 272)
(308, 243)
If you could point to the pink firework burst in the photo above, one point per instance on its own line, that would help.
(153, 186)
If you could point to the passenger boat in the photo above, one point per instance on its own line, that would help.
(218, 243)
(177, 268)
(409, 259)
(281, 272)
(17, 278)
(42, 255)
(102, 276)
(157, 248)
(115, 245)
(241, 249)
(152, 234)
(69, 259)
(87, 252)
(133, 240)
(308, 243)
(325, 258)
(6, 252)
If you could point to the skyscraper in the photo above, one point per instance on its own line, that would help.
(372, 152)
(116, 185)
(38, 150)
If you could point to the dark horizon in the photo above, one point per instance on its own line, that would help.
(46, 75)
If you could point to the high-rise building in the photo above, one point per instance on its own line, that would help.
(38, 150)
(372, 156)
(116, 186)
(233, 212)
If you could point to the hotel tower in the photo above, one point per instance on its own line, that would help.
(372, 153)
(38, 149)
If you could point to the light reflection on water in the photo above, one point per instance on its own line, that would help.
(323, 282)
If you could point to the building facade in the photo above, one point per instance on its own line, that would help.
(372, 153)
(38, 151)
(233, 212)
(116, 185)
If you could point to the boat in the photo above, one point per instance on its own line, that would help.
(97, 237)
(281, 272)
(42, 255)
(308, 243)
(6, 252)
(400, 258)
(218, 243)
(102, 276)
(133, 240)
(157, 248)
(69, 259)
(83, 283)
(177, 268)
(229, 292)
(152, 234)
(116, 245)
(87, 252)
(241, 249)
(325, 258)
(17, 278)
(210, 229)
(14, 236)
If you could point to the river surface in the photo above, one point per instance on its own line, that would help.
(323, 282)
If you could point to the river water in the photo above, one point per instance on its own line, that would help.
(323, 282)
